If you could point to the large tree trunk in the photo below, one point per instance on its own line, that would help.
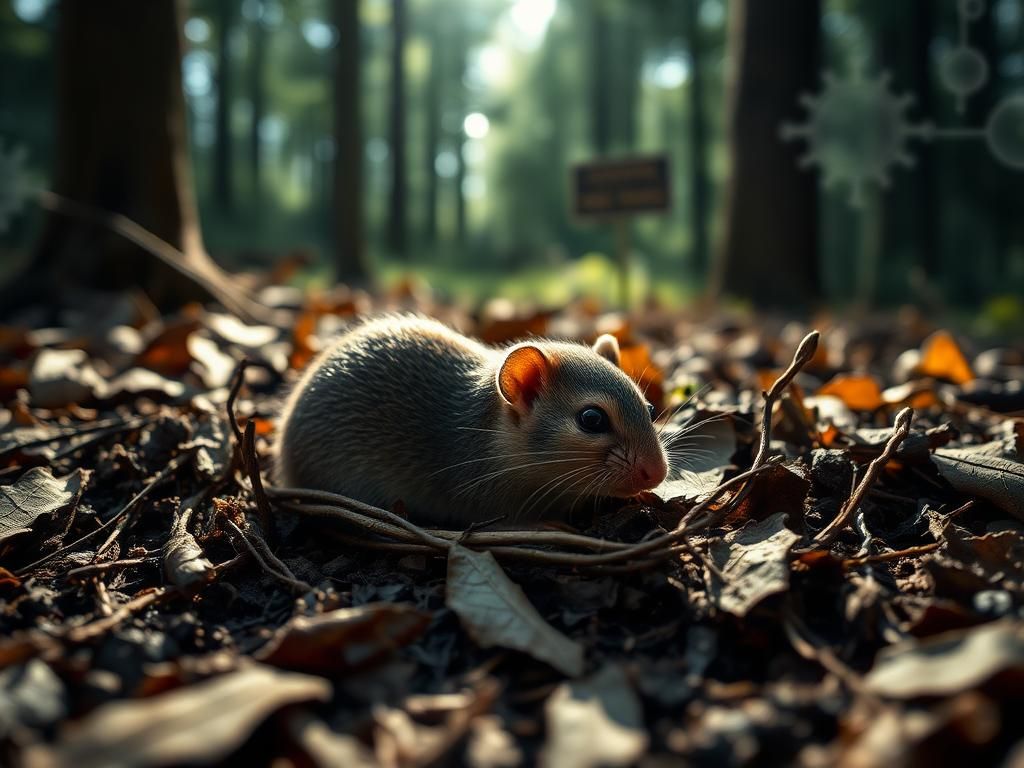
(222, 188)
(121, 149)
(397, 193)
(257, 96)
(600, 92)
(350, 264)
(435, 81)
(770, 249)
(698, 142)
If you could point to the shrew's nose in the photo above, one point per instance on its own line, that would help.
(649, 472)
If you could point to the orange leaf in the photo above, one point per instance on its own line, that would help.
(859, 392)
(635, 361)
(302, 332)
(941, 357)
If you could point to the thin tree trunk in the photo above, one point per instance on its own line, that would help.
(350, 262)
(600, 91)
(433, 124)
(770, 249)
(257, 97)
(222, 189)
(698, 142)
(397, 193)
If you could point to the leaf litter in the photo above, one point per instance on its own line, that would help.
(811, 586)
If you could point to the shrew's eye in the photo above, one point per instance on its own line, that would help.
(593, 419)
(651, 411)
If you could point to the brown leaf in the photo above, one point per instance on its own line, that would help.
(344, 640)
(946, 664)
(995, 479)
(597, 721)
(36, 493)
(201, 723)
(755, 563)
(495, 611)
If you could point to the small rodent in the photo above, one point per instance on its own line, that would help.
(404, 408)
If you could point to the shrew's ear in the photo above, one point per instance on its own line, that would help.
(608, 348)
(523, 374)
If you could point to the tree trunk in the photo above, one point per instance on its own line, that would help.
(770, 249)
(120, 149)
(600, 91)
(222, 191)
(698, 142)
(350, 261)
(435, 80)
(397, 193)
(257, 97)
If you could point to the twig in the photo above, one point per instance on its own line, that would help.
(112, 521)
(93, 568)
(97, 628)
(923, 549)
(804, 352)
(252, 468)
(900, 430)
(474, 539)
(803, 355)
(125, 514)
(210, 277)
(299, 586)
(237, 380)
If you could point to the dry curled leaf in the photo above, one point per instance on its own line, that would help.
(344, 640)
(494, 611)
(196, 724)
(859, 392)
(594, 722)
(993, 478)
(36, 493)
(946, 664)
(754, 561)
(941, 357)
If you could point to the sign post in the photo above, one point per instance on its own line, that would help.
(616, 190)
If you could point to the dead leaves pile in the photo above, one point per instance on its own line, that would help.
(151, 615)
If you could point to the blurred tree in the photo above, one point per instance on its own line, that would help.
(600, 76)
(222, 161)
(350, 249)
(396, 133)
(120, 149)
(769, 254)
(699, 204)
(257, 100)
(435, 26)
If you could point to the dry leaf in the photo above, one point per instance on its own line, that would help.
(201, 723)
(945, 664)
(344, 640)
(941, 357)
(36, 493)
(859, 392)
(995, 479)
(494, 611)
(755, 563)
(593, 722)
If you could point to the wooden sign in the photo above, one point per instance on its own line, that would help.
(616, 187)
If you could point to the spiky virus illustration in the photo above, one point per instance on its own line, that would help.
(857, 130)
(12, 186)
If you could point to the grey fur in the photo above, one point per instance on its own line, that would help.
(405, 408)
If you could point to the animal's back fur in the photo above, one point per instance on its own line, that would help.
(386, 414)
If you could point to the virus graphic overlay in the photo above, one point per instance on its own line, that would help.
(856, 131)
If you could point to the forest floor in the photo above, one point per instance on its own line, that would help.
(839, 583)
